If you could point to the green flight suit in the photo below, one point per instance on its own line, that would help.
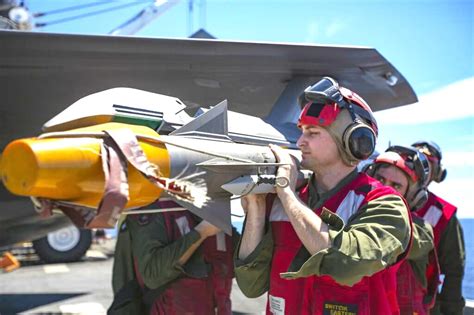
(422, 245)
(452, 259)
(145, 239)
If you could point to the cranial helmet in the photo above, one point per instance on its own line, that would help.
(414, 164)
(434, 155)
(346, 116)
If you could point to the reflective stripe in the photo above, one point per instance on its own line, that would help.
(220, 242)
(346, 209)
(278, 213)
(183, 225)
(433, 215)
(349, 205)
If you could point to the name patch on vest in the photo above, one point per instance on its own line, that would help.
(334, 308)
(277, 305)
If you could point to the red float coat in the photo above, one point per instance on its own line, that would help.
(321, 294)
(197, 296)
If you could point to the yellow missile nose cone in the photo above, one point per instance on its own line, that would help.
(71, 169)
(18, 167)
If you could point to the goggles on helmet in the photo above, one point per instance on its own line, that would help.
(430, 149)
(412, 162)
(323, 101)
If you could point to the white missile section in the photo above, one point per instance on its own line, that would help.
(125, 105)
(203, 151)
(244, 185)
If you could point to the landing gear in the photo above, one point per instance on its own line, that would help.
(65, 245)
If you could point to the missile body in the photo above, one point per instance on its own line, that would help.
(69, 165)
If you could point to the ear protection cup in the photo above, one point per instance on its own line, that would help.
(441, 175)
(418, 200)
(439, 172)
(359, 140)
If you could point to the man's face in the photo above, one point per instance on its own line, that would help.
(318, 148)
(394, 177)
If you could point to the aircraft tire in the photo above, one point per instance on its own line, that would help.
(66, 245)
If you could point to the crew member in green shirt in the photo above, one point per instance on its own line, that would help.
(448, 235)
(407, 171)
(171, 263)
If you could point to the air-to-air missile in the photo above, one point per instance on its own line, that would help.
(124, 148)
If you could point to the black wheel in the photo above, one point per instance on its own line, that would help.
(65, 245)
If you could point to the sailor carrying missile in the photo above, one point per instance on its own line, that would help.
(334, 246)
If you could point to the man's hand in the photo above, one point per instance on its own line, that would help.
(287, 171)
(206, 229)
(253, 202)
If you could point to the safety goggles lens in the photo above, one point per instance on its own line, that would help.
(324, 91)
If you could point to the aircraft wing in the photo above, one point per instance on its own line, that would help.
(41, 74)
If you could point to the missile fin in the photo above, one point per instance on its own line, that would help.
(216, 211)
(212, 122)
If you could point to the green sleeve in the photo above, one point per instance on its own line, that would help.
(157, 257)
(422, 245)
(423, 239)
(253, 273)
(451, 256)
(372, 239)
(123, 263)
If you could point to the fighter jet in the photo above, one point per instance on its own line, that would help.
(42, 74)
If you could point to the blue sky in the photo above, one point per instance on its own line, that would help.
(429, 41)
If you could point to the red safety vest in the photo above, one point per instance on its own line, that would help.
(321, 294)
(193, 296)
(413, 298)
(436, 212)
(284, 296)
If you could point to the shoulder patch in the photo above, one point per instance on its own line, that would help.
(144, 219)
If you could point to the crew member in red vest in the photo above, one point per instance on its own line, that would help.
(171, 263)
(448, 235)
(407, 171)
(334, 247)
